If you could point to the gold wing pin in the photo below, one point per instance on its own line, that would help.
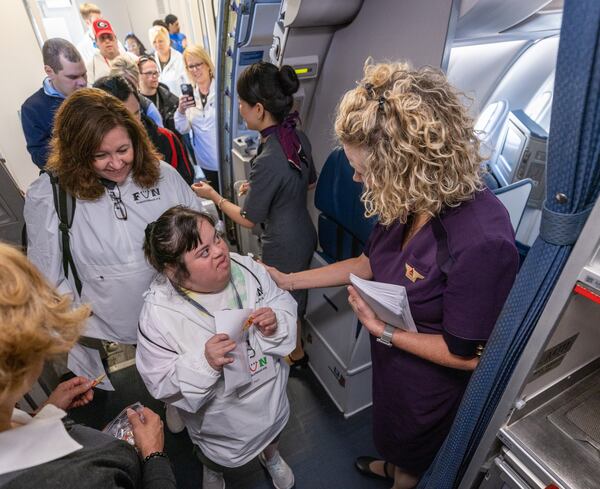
(412, 274)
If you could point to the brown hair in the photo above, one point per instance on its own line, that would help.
(81, 123)
(35, 321)
(54, 48)
(423, 153)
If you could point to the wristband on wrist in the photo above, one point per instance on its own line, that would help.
(154, 455)
(220, 203)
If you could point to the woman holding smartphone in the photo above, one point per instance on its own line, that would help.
(280, 176)
(196, 111)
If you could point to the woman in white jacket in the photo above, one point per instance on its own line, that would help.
(197, 115)
(103, 159)
(168, 60)
(181, 358)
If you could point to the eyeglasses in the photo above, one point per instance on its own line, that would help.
(153, 74)
(118, 205)
(195, 66)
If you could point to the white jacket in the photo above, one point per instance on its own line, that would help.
(202, 121)
(98, 66)
(173, 74)
(228, 429)
(107, 251)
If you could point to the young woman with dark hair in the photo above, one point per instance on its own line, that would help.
(134, 45)
(181, 354)
(280, 176)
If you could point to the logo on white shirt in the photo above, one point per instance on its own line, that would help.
(146, 195)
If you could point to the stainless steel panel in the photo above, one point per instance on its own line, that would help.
(548, 442)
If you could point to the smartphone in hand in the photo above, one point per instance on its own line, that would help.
(188, 91)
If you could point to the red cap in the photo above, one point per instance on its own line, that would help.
(102, 26)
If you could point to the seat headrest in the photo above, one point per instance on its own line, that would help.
(338, 196)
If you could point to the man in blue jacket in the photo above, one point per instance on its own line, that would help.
(65, 70)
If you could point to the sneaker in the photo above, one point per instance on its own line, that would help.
(212, 479)
(174, 421)
(279, 470)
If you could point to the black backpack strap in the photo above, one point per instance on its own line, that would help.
(443, 257)
(64, 204)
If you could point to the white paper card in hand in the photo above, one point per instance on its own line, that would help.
(388, 301)
(230, 322)
(262, 367)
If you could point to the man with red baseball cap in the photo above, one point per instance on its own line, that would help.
(108, 50)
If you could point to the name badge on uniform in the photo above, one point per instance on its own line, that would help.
(412, 274)
(261, 366)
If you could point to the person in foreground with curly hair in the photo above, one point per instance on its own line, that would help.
(101, 157)
(36, 451)
(441, 234)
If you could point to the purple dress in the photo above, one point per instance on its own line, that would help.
(414, 400)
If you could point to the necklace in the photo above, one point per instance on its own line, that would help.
(203, 98)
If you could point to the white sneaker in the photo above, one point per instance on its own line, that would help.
(212, 479)
(279, 470)
(174, 421)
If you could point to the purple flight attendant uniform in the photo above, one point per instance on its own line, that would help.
(415, 400)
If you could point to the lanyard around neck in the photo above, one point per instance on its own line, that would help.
(203, 309)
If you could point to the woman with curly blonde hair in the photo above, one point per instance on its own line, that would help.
(105, 164)
(441, 234)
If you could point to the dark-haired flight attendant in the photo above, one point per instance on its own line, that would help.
(280, 176)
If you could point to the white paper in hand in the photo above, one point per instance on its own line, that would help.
(388, 301)
(237, 373)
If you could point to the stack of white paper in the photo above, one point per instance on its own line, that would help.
(388, 301)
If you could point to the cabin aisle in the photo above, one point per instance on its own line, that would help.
(318, 443)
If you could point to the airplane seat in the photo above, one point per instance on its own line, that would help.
(488, 128)
(337, 345)
(515, 197)
(343, 229)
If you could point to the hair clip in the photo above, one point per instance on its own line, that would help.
(370, 89)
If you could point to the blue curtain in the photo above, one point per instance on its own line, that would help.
(573, 178)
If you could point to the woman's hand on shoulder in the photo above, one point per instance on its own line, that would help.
(265, 320)
(280, 278)
(148, 431)
(216, 350)
(72, 393)
(204, 191)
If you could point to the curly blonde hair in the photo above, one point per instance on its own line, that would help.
(422, 152)
(35, 321)
(80, 125)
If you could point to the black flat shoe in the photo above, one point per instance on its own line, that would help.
(363, 464)
(299, 363)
